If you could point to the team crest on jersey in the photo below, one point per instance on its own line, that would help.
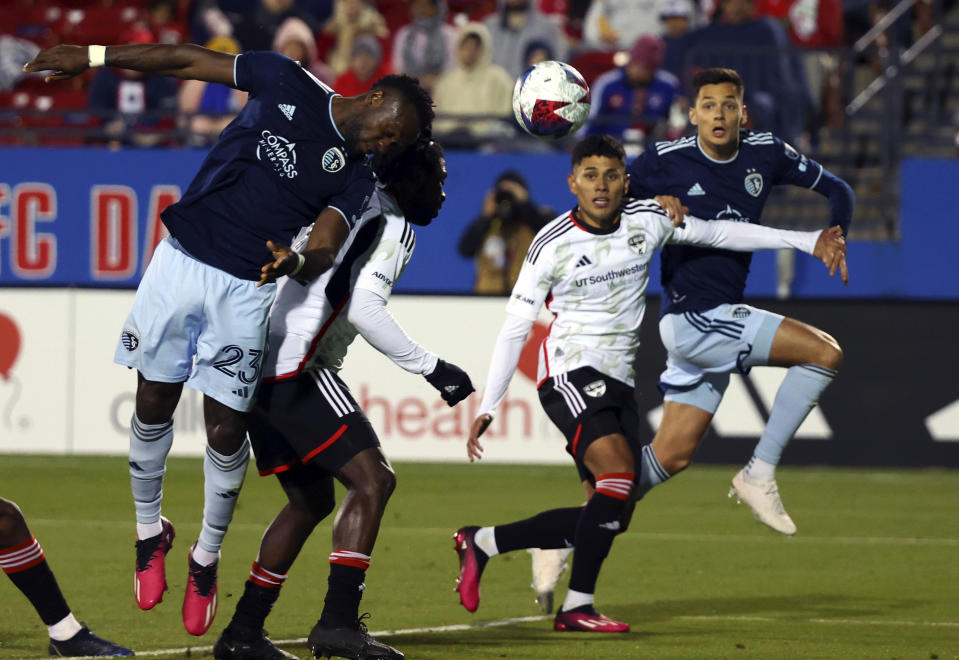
(754, 183)
(637, 243)
(741, 312)
(129, 339)
(334, 160)
(595, 389)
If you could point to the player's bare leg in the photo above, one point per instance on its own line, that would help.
(370, 481)
(151, 436)
(310, 500)
(23, 561)
(812, 358)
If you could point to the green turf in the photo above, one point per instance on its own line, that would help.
(872, 574)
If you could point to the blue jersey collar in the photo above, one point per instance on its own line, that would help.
(710, 158)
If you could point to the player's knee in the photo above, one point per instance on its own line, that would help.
(12, 524)
(829, 354)
(378, 488)
(320, 504)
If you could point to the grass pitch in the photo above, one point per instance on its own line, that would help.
(872, 573)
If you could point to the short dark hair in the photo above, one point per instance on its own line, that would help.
(409, 88)
(409, 174)
(716, 76)
(598, 145)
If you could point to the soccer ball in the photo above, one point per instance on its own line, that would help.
(551, 100)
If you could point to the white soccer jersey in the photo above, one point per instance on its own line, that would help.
(594, 281)
(308, 324)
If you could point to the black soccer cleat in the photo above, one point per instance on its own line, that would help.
(85, 643)
(354, 643)
(228, 648)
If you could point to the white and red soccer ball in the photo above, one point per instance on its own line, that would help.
(551, 100)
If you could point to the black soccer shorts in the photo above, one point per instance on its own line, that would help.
(310, 419)
(586, 405)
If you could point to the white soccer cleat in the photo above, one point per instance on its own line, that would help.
(763, 498)
(548, 566)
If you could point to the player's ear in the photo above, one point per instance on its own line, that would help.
(571, 180)
(745, 118)
(626, 184)
(692, 115)
(375, 97)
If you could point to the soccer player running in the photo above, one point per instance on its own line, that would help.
(721, 172)
(307, 429)
(25, 563)
(590, 268)
(295, 155)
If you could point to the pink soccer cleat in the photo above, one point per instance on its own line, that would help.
(587, 619)
(199, 601)
(149, 578)
(472, 562)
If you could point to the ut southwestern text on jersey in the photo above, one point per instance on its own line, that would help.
(611, 275)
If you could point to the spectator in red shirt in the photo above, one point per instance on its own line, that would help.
(366, 67)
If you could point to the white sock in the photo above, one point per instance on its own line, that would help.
(485, 540)
(146, 530)
(204, 557)
(759, 471)
(576, 599)
(65, 628)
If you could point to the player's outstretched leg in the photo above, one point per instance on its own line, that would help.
(548, 566)
(311, 498)
(813, 358)
(551, 529)
(341, 631)
(23, 561)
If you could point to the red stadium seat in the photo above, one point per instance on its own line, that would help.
(593, 64)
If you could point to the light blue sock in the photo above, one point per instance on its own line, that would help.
(149, 446)
(223, 479)
(797, 395)
(651, 473)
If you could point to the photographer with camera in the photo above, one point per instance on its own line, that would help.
(499, 237)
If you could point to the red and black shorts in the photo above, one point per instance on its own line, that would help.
(587, 405)
(310, 419)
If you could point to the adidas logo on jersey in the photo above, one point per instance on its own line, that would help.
(584, 261)
(287, 110)
(696, 190)
(242, 392)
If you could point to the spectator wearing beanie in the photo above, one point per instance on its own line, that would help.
(295, 39)
(366, 67)
(637, 95)
(427, 46)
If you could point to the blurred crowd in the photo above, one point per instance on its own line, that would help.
(637, 55)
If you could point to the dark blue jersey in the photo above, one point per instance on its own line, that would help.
(273, 170)
(697, 279)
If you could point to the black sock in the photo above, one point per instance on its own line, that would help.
(40, 586)
(251, 612)
(342, 604)
(555, 528)
(598, 526)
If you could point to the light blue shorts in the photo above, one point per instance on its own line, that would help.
(703, 348)
(197, 324)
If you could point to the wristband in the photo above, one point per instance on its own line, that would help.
(300, 260)
(96, 56)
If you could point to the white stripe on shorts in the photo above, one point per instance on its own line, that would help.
(339, 403)
(570, 394)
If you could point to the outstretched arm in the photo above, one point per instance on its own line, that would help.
(328, 233)
(369, 315)
(186, 61)
(509, 345)
(829, 246)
